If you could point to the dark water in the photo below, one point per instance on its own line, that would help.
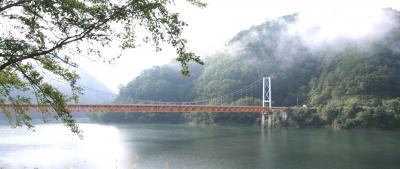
(178, 146)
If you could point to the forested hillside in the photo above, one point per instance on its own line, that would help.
(345, 82)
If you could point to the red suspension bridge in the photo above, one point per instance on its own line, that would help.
(157, 108)
(216, 104)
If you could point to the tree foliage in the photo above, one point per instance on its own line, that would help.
(40, 37)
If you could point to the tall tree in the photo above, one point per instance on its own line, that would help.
(39, 37)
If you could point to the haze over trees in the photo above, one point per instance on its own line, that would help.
(41, 37)
(346, 81)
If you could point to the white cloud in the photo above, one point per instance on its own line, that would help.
(335, 24)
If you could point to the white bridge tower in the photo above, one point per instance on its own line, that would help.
(266, 99)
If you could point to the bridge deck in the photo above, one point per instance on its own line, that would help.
(109, 108)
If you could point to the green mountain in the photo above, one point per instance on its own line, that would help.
(345, 82)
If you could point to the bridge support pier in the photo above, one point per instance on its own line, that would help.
(262, 120)
(267, 120)
(284, 116)
(270, 120)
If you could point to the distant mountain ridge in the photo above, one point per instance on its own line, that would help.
(348, 81)
(94, 91)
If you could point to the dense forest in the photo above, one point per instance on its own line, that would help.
(344, 83)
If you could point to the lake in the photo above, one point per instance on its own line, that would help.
(146, 146)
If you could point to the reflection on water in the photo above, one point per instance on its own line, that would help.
(54, 146)
(179, 146)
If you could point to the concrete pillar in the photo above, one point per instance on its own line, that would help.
(270, 120)
(284, 116)
(262, 120)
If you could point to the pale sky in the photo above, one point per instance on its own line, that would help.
(210, 28)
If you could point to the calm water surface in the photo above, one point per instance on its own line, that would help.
(179, 146)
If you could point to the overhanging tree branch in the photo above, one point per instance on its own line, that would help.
(18, 3)
(59, 45)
